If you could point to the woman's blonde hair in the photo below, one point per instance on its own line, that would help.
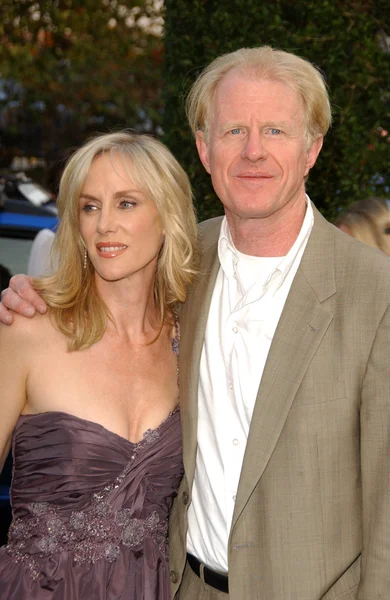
(78, 310)
(368, 220)
(263, 62)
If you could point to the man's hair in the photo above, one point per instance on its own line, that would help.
(78, 310)
(269, 64)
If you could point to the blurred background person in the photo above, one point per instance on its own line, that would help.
(41, 261)
(368, 220)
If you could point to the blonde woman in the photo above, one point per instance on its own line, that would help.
(368, 221)
(89, 392)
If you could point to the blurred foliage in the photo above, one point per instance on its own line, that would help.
(69, 68)
(347, 39)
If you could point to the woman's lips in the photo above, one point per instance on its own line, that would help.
(110, 249)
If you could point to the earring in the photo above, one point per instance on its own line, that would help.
(85, 259)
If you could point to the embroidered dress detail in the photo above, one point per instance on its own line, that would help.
(90, 535)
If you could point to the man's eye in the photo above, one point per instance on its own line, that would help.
(387, 230)
(235, 131)
(275, 131)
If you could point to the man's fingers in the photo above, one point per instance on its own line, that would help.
(12, 301)
(5, 316)
(21, 298)
(28, 300)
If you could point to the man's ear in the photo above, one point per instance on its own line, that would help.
(313, 152)
(203, 150)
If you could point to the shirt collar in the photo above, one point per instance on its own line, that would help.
(227, 251)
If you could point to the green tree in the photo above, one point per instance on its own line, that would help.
(71, 67)
(348, 40)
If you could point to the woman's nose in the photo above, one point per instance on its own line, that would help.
(107, 221)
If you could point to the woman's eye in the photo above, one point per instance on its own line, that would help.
(387, 231)
(127, 204)
(88, 207)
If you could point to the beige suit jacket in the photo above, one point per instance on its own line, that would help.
(312, 515)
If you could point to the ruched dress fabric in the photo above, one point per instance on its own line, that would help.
(90, 511)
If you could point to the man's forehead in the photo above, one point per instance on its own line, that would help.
(240, 93)
(237, 84)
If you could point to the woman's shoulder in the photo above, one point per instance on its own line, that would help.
(31, 331)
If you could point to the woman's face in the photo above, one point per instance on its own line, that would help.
(119, 222)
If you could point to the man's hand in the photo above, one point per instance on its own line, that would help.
(21, 298)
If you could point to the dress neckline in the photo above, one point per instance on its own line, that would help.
(59, 413)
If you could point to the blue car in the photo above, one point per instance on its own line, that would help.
(25, 207)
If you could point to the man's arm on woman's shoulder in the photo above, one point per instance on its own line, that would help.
(20, 297)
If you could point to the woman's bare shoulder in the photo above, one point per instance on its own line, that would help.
(32, 331)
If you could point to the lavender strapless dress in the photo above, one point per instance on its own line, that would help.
(90, 511)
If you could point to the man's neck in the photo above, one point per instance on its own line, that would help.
(270, 236)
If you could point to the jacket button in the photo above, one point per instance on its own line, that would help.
(185, 498)
(173, 576)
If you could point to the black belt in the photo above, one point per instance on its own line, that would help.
(216, 580)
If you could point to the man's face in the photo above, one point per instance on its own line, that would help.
(256, 152)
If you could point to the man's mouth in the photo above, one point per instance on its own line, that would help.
(250, 175)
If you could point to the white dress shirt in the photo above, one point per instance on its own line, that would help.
(247, 301)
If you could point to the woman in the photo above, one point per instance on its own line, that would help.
(368, 221)
(88, 392)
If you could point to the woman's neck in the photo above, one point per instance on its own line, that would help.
(132, 307)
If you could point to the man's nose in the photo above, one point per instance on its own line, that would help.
(255, 147)
(107, 221)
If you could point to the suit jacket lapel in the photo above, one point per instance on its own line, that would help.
(301, 327)
(193, 322)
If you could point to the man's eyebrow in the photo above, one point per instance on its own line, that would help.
(231, 125)
(274, 123)
(279, 124)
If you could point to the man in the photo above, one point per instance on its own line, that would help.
(284, 360)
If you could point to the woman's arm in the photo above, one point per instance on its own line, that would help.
(13, 380)
(21, 298)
